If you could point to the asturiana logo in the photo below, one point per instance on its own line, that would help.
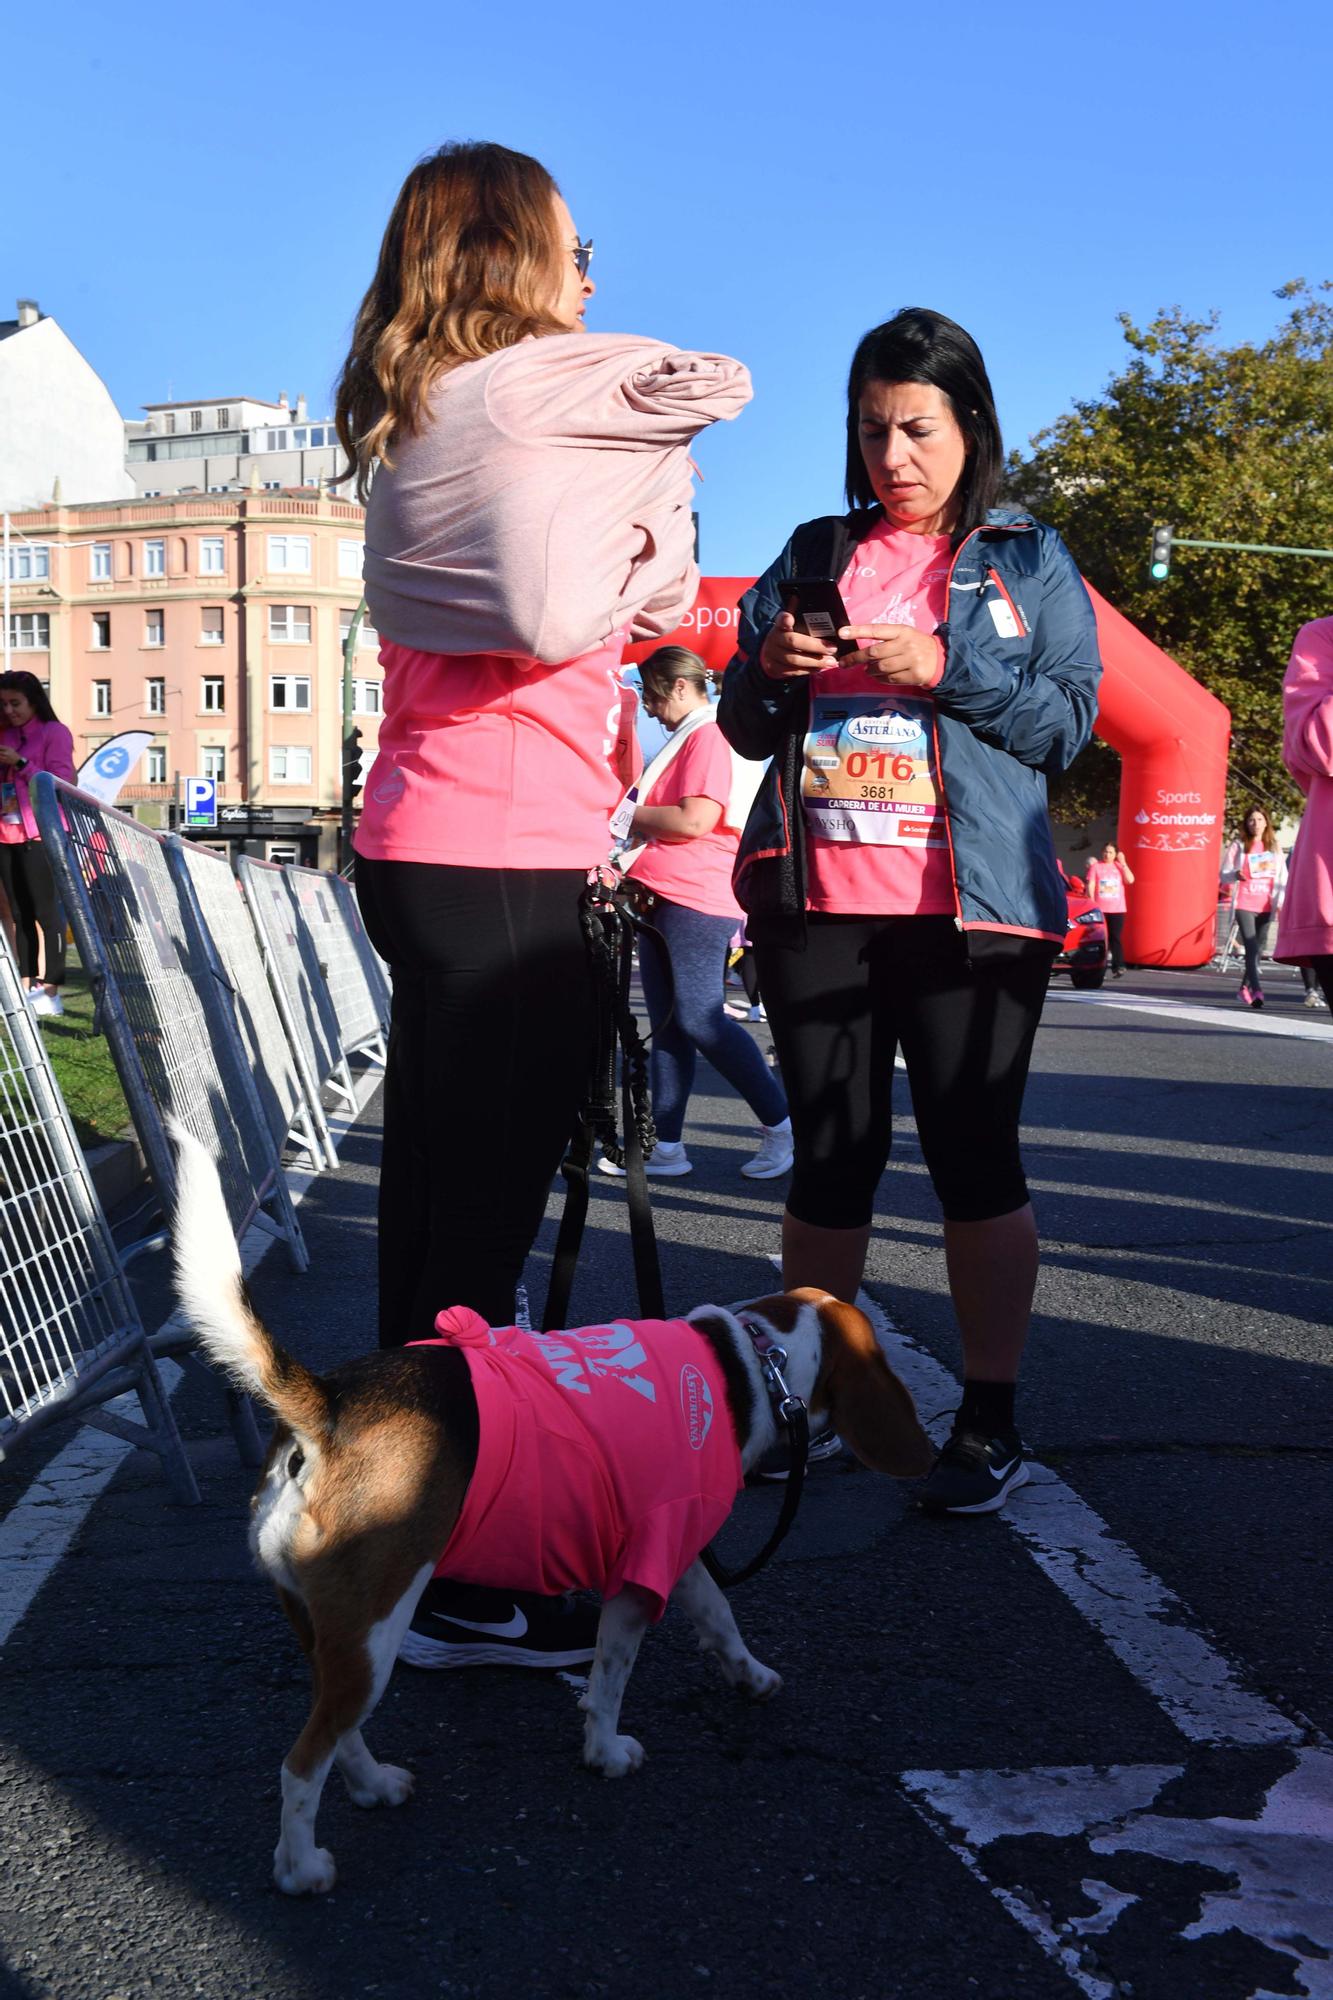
(696, 1402)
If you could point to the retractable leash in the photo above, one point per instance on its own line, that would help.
(791, 1412)
(610, 924)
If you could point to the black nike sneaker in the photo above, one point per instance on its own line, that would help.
(461, 1625)
(974, 1474)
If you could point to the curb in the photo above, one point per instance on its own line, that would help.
(118, 1169)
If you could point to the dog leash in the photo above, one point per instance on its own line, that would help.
(610, 924)
(792, 1413)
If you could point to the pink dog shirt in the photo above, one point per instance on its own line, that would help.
(606, 1457)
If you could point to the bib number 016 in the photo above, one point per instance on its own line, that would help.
(879, 764)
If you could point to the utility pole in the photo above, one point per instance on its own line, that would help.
(1165, 540)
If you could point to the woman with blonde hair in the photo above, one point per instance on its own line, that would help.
(528, 513)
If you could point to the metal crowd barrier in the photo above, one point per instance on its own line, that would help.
(284, 1079)
(166, 1011)
(70, 1337)
(360, 1000)
(298, 981)
(376, 971)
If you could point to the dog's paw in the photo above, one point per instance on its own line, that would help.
(386, 1785)
(759, 1682)
(614, 1756)
(310, 1874)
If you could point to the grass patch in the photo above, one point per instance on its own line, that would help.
(83, 1066)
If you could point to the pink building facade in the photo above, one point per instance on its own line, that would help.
(217, 622)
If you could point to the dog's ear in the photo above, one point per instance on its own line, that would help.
(871, 1410)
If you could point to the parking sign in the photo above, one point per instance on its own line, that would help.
(201, 802)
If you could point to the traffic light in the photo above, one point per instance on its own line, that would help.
(351, 764)
(1159, 563)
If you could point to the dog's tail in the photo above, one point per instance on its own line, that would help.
(212, 1291)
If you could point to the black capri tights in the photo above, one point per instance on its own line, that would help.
(963, 1011)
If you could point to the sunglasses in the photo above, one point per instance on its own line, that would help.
(582, 256)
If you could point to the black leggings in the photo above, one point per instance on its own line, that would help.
(488, 1055)
(1253, 927)
(1115, 937)
(965, 1014)
(30, 889)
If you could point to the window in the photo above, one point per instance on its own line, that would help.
(210, 625)
(289, 691)
(289, 555)
(155, 695)
(154, 628)
(30, 631)
(101, 697)
(289, 624)
(196, 420)
(214, 760)
(349, 558)
(367, 636)
(367, 697)
(275, 440)
(272, 486)
(101, 631)
(224, 420)
(29, 561)
(154, 558)
(214, 694)
(212, 556)
(290, 763)
(101, 562)
(151, 493)
(169, 422)
(282, 851)
(156, 763)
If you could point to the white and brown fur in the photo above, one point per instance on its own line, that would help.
(368, 1469)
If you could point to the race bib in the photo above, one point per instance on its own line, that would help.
(869, 775)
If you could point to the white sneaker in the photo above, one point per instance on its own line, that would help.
(775, 1154)
(669, 1158)
(43, 1002)
(757, 1012)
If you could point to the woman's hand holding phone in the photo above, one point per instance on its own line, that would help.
(786, 654)
(896, 654)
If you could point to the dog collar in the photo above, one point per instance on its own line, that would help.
(791, 1411)
(772, 1360)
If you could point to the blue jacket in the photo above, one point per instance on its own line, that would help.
(1007, 712)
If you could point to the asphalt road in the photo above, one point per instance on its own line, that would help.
(1079, 1747)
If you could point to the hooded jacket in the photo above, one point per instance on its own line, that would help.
(1016, 703)
(544, 503)
(1305, 926)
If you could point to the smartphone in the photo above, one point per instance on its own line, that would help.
(816, 604)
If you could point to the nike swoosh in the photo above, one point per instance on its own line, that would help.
(1003, 1473)
(513, 1628)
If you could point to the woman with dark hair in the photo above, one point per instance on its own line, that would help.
(31, 740)
(528, 512)
(1257, 867)
(897, 868)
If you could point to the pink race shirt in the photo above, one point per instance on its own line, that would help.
(1258, 879)
(1106, 884)
(605, 1457)
(696, 873)
(491, 762)
(874, 807)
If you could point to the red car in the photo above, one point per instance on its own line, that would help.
(1083, 953)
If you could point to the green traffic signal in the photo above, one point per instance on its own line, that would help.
(1159, 565)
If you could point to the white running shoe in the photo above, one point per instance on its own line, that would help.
(43, 1002)
(669, 1158)
(775, 1154)
(757, 1012)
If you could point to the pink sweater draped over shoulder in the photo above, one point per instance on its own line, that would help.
(1305, 927)
(544, 504)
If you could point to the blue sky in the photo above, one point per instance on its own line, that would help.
(201, 194)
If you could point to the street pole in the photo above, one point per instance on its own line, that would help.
(1251, 548)
(6, 613)
(350, 644)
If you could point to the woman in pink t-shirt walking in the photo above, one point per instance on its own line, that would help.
(689, 829)
(1258, 868)
(1107, 879)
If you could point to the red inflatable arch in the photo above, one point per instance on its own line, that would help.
(1172, 736)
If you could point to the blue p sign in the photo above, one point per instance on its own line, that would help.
(201, 802)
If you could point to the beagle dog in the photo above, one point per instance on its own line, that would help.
(372, 1467)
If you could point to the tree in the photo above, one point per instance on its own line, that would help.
(1227, 444)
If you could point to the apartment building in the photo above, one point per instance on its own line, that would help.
(217, 444)
(217, 622)
(61, 435)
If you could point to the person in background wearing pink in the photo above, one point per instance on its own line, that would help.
(1106, 880)
(31, 740)
(1257, 866)
(1305, 928)
(688, 827)
(528, 512)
